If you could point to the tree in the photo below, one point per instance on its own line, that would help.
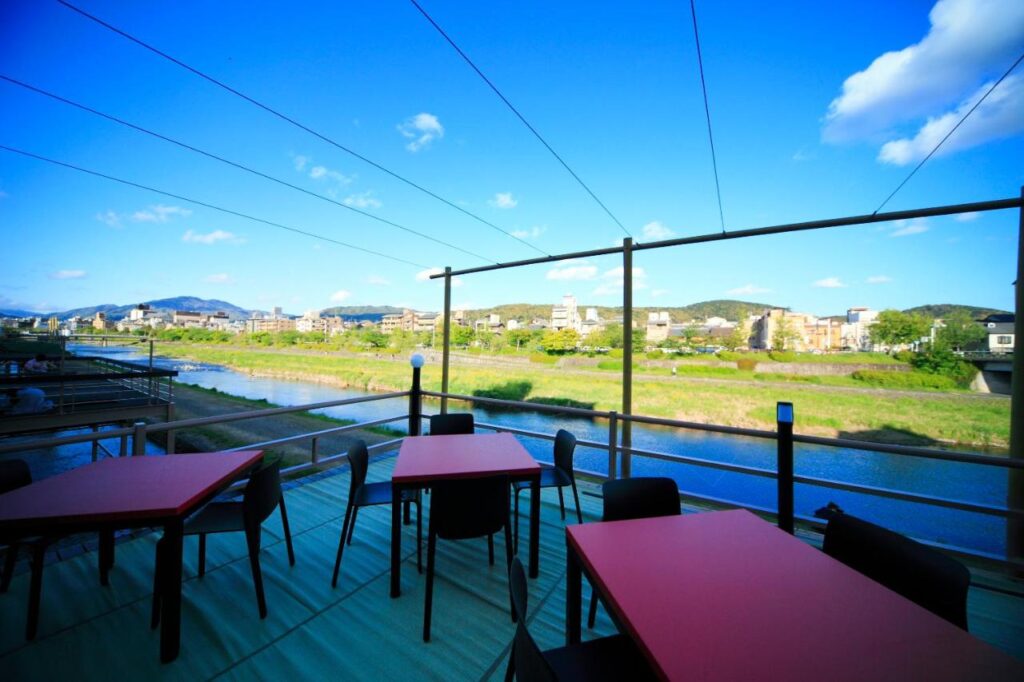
(519, 338)
(894, 328)
(561, 341)
(784, 335)
(960, 331)
(461, 336)
(736, 338)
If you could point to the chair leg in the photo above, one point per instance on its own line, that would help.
(576, 497)
(202, 554)
(592, 615)
(287, 532)
(253, 540)
(490, 549)
(341, 544)
(154, 616)
(561, 502)
(429, 599)
(508, 565)
(9, 560)
(510, 671)
(35, 590)
(419, 535)
(106, 555)
(352, 525)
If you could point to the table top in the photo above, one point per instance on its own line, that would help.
(727, 596)
(125, 488)
(426, 458)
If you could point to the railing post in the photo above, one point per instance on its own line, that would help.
(315, 451)
(627, 354)
(784, 426)
(95, 442)
(447, 339)
(139, 439)
(613, 449)
(415, 397)
(1015, 487)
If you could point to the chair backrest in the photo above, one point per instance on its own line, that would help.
(565, 447)
(922, 574)
(530, 664)
(262, 492)
(469, 507)
(358, 459)
(14, 474)
(451, 424)
(640, 498)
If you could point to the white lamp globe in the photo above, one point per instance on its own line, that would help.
(416, 360)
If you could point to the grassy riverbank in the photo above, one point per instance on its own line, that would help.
(870, 414)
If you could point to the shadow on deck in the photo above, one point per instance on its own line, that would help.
(312, 631)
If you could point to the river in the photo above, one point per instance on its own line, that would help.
(965, 482)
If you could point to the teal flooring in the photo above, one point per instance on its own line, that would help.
(352, 632)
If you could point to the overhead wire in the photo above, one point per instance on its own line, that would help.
(208, 205)
(707, 113)
(950, 133)
(295, 123)
(237, 165)
(519, 115)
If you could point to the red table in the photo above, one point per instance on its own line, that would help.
(129, 492)
(727, 596)
(424, 459)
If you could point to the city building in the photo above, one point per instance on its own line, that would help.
(566, 315)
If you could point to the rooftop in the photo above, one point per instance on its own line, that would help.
(312, 631)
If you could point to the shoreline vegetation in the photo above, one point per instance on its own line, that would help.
(825, 405)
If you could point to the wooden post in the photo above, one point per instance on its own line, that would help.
(627, 354)
(445, 360)
(1015, 487)
(613, 445)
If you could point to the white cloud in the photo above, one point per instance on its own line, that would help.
(340, 295)
(68, 274)
(193, 237)
(503, 200)
(326, 174)
(656, 230)
(829, 283)
(377, 280)
(109, 218)
(999, 116)
(572, 270)
(878, 279)
(747, 290)
(532, 233)
(160, 214)
(656, 293)
(905, 228)
(968, 42)
(614, 278)
(362, 200)
(219, 278)
(422, 129)
(300, 162)
(801, 155)
(966, 217)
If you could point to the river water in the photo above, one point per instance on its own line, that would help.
(971, 483)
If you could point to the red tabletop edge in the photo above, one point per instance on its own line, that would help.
(426, 458)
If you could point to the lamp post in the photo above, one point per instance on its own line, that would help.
(415, 395)
(784, 426)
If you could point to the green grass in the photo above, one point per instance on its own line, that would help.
(945, 416)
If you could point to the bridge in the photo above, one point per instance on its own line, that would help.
(994, 371)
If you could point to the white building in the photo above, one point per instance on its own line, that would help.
(566, 316)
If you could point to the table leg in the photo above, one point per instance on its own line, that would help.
(170, 602)
(106, 555)
(573, 596)
(535, 527)
(396, 540)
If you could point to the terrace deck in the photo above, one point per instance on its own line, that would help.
(312, 631)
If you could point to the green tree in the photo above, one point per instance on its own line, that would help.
(960, 331)
(736, 338)
(561, 341)
(375, 339)
(784, 336)
(461, 336)
(895, 328)
(519, 338)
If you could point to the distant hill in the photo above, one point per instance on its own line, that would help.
(938, 310)
(11, 312)
(163, 305)
(728, 309)
(360, 313)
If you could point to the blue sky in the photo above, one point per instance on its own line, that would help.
(819, 110)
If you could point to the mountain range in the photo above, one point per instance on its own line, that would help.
(728, 309)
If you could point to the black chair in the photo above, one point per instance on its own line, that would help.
(363, 494)
(453, 423)
(261, 496)
(636, 498)
(605, 658)
(461, 509)
(15, 474)
(922, 574)
(558, 476)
